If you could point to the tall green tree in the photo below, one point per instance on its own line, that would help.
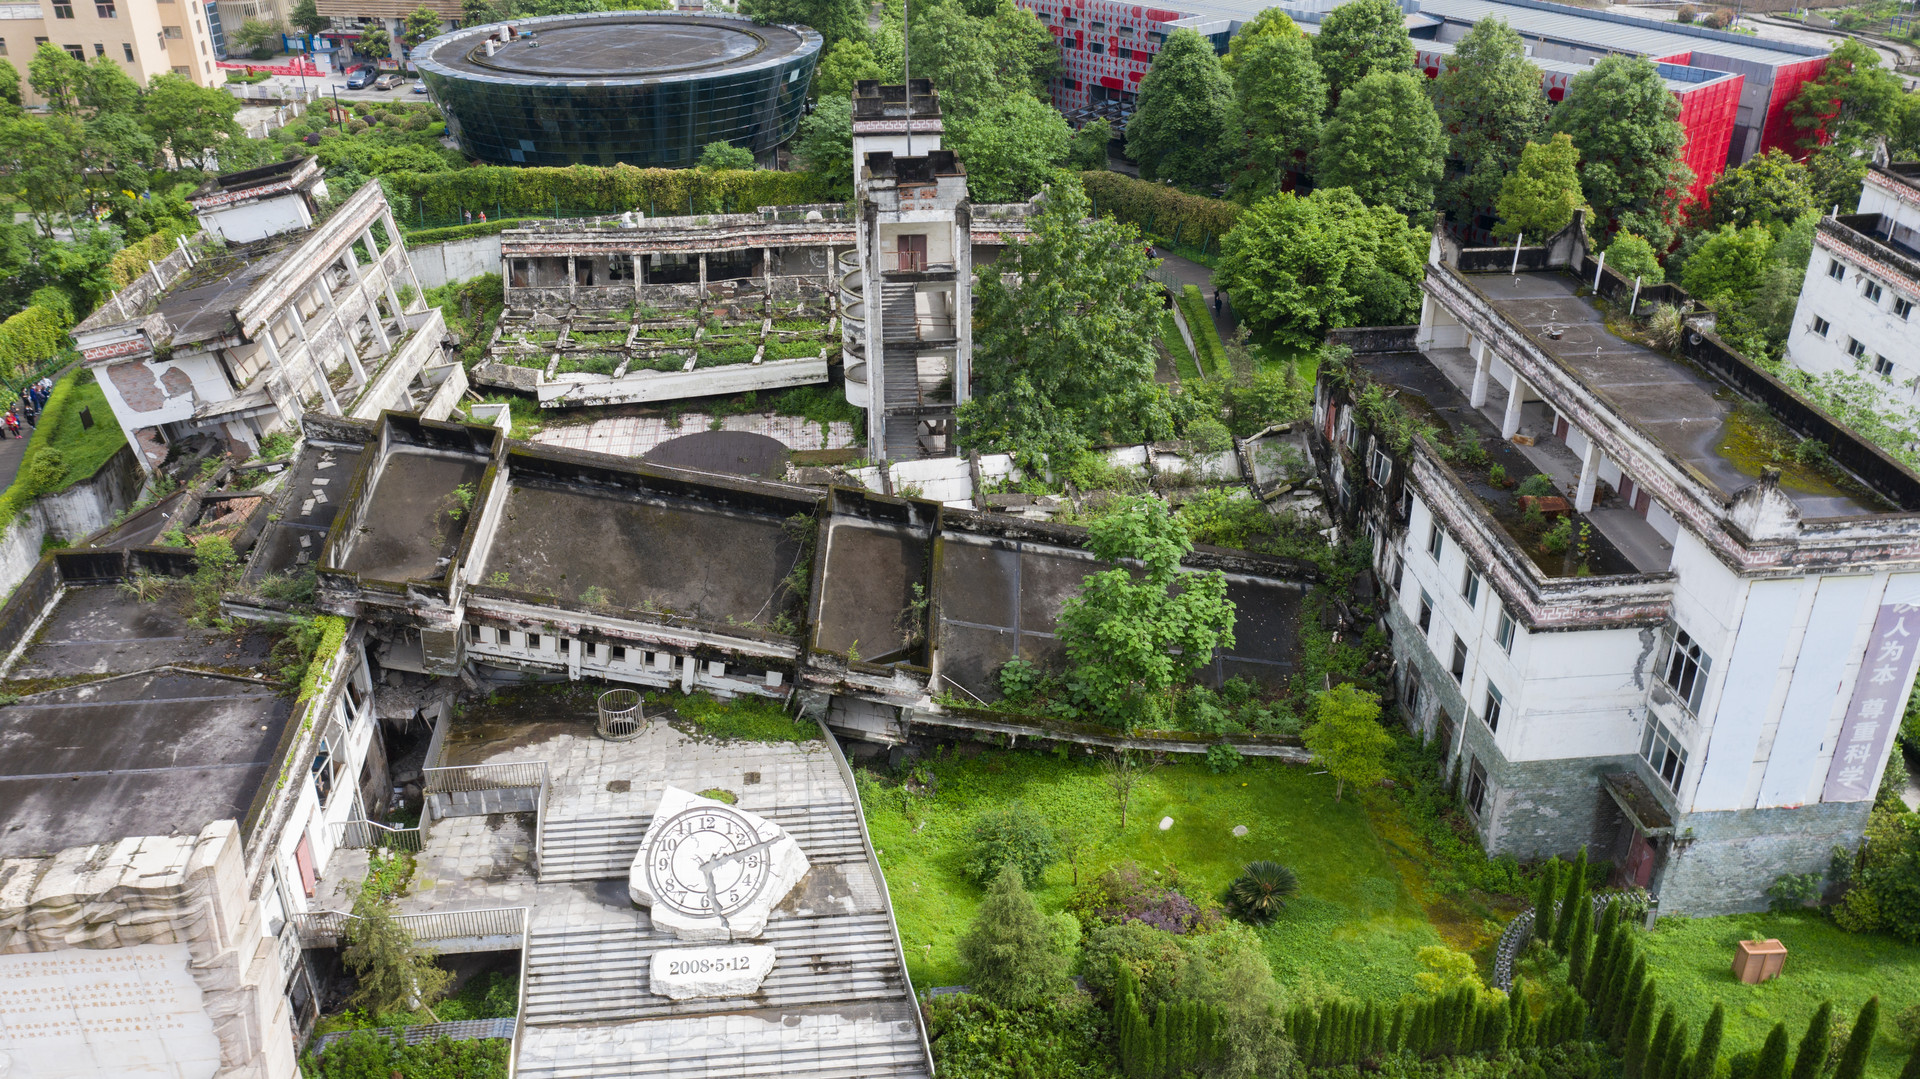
(824, 143)
(1811, 1060)
(1302, 265)
(1626, 124)
(718, 156)
(1360, 38)
(56, 77)
(305, 17)
(1633, 1064)
(1911, 1071)
(1543, 193)
(1853, 1058)
(1133, 636)
(847, 62)
(256, 36)
(376, 42)
(1632, 256)
(835, 20)
(1270, 25)
(1183, 122)
(1489, 101)
(105, 88)
(1707, 1056)
(1772, 1063)
(1010, 147)
(1346, 737)
(10, 97)
(1770, 189)
(1065, 360)
(1087, 150)
(1277, 85)
(1728, 268)
(1852, 100)
(392, 972)
(191, 121)
(422, 24)
(1384, 141)
(1835, 173)
(977, 59)
(40, 166)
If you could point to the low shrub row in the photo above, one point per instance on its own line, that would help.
(1206, 340)
(612, 189)
(1160, 209)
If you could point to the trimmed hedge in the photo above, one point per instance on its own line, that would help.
(1206, 339)
(31, 337)
(131, 261)
(611, 190)
(1160, 209)
(465, 232)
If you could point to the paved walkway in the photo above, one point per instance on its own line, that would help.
(1188, 272)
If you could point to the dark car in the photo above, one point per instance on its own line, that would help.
(360, 78)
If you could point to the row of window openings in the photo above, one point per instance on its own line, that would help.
(1870, 290)
(1469, 590)
(616, 653)
(1097, 27)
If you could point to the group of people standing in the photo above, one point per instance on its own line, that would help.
(25, 410)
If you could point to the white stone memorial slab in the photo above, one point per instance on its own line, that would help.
(684, 973)
(709, 871)
(79, 1014)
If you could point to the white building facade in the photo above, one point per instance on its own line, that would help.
(1856, 309)
(1703, 685)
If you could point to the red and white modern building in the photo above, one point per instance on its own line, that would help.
(1733, 89)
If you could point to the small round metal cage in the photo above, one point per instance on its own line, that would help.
(621, 718)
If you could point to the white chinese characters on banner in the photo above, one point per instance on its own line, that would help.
(1874, 712)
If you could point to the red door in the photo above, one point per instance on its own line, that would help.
(1638, 869)
(913, 252)
(303, 857)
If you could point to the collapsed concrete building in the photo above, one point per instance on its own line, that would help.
(639, 309)
(284, 302)
(1687, 647)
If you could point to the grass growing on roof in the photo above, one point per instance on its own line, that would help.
(61, 451)
(1206, 339)
(1693, 960)
(742, 719)
(1177, 348)
(1354, 927)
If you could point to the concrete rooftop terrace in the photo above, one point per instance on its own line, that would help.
(154, 749)
(1681, 407)
(614, 47)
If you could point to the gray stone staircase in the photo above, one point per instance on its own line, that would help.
(884, 1051)
(603, 848)
(597, 974)
(899, 313)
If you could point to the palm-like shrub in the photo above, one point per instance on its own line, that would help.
(1261, 891)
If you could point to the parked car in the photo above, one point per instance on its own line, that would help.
(386, 82)
(419, 87)
(360, 78)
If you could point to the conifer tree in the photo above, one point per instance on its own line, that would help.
(1396, 1038)
(1674, 1067)
(1571, 896)
(1773, 1055)
(1416, 1031)
(1657, 1049)
(1618, 968)
(1623, 1014)
(1811, 1060)
(1639, 1037)
(1606, 958)
(1580, 949)
(1912, 1070)
(1708, 1053)
(1853, 1059)
(1546, 891)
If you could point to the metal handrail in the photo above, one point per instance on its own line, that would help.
(331, 925)
(483, 777)
(368, 834)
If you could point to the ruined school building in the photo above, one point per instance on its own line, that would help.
(1693, 656)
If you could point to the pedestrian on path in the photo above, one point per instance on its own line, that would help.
(1216, 300)
(13, 424)
(28, 410)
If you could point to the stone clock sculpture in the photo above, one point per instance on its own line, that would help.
(710, 871)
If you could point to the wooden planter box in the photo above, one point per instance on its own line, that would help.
(1758, 961)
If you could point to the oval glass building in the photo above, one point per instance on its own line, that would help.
(642, 87)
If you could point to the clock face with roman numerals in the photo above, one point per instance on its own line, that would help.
(707, 862)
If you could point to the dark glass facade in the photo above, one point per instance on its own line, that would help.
(515, 112)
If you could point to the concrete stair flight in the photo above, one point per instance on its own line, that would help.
(603, 848)
(598, 974)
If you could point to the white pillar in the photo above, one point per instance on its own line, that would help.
(1482, 360)
(1510, 423)
(1589, 475)
(313, 357)
(340, 327)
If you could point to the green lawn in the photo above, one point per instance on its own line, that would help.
(1693, 960)
(1177, 348)
(1355, 926)
(83, 449)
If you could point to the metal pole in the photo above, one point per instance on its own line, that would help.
(1635, 306)
(1596, 272)
(906, 76)
(1516, 253)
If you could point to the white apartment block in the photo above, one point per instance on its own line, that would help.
(1703, 687)
(283, 304)
(145, 37)
(1856, 308)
